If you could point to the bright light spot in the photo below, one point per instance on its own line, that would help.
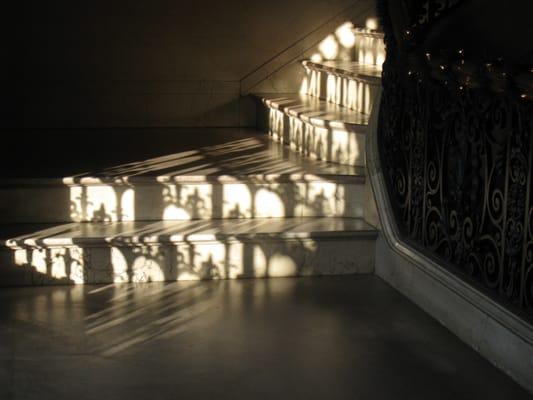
(345, 35)
(314, 85)
(282, 265)
(296, 134)
(188, 276)
(345, 148)
(194, 200)
(369, 56)
(317, 57)
(93, 203)
(276, 124)
(173, 212)
(120, 266)
(39, 260)
(372, 24)
(128, 205)
(146, 270)
(329, 47)
(380, 58)
(350, 93)
(360, 96)
(367, 99)
(209, 260)
(268, 204)
(324, 198)
(235, 268)
(260, 263)
(21, 257)
(237, 201)
(318, 148)
(304, 87)
(331, 88)
(58, 269)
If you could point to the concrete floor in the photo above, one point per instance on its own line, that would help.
(308, 338)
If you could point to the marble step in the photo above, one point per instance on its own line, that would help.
(314, 127)
(346, 83)
(245, 176)
(184, 250)
(369, 47)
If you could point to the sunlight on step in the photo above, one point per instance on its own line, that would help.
(61, 264)
(329, 143)
(268, 204)
(238, 201)
(173, 212)
(350, 93)
(188, 250)
(334, 89)
(147, 267)
(188, 201)
(325, 197)
(371, 50)
(345, 147)
(102, 203)
(304, 86)
(282, 265)
(275, 123)
(296, 134)
(314, 83)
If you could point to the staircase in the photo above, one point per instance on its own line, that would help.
(239, 203)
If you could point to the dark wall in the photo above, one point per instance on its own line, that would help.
(484, 29)
(149, 63)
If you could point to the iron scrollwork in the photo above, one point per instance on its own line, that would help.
(458, 171)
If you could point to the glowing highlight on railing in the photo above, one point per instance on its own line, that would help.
(329, 47)
(345, 35)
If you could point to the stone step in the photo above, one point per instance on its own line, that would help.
(247, 176)
(315, 128)
(369, 47)
(184, 250)
(345, 83)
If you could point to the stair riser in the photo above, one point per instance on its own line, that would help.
(186, 261)
(334, 144)
(355, 94)
(180, 201)
(369, 50)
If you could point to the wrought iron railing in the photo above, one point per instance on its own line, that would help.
(456, 147)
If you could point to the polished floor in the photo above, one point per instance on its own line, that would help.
(308, 338)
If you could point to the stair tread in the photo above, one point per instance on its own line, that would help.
(368, 33)
(316, 111)
(352, 69)
(245, 158)
(179, 231)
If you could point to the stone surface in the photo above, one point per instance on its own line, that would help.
(206, 174)
(316, 128)
(369, 47)
(345, 83)
(191, 250)
(307, 338)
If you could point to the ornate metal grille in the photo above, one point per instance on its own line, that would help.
(458, 165)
